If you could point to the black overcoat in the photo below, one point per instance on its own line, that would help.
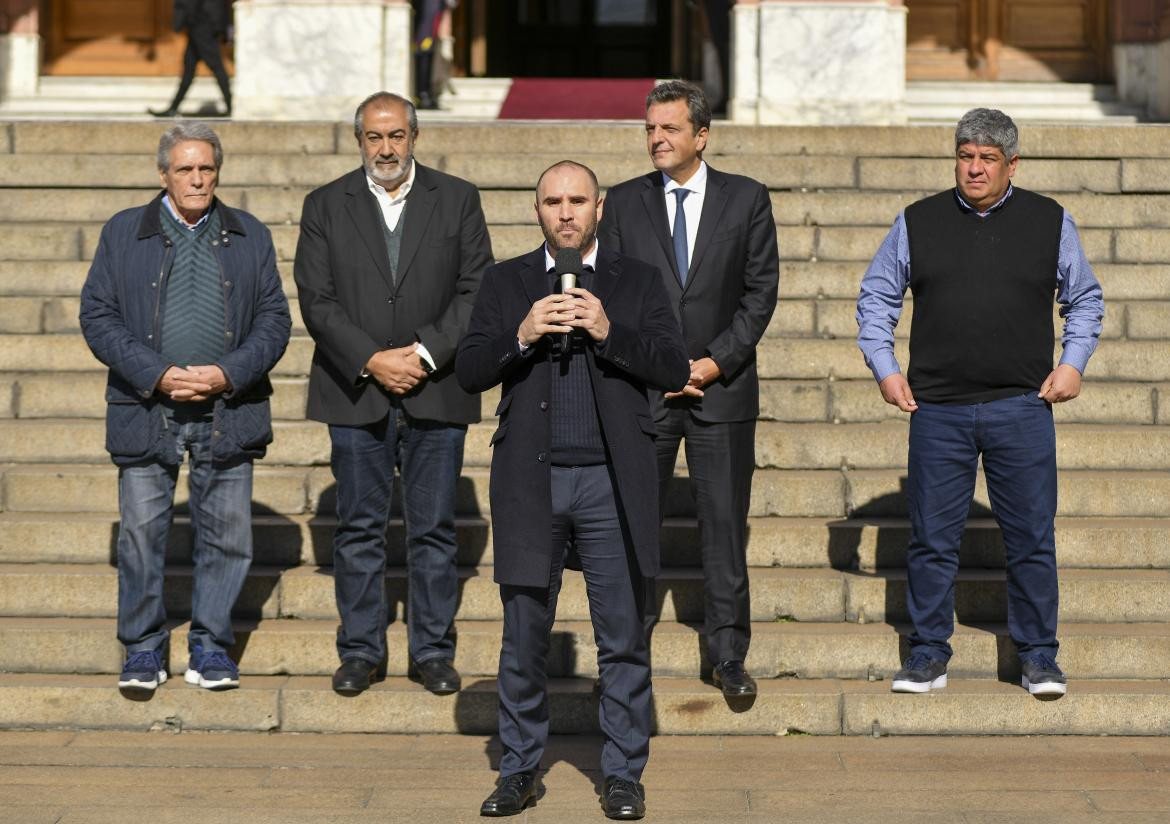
(644, 350)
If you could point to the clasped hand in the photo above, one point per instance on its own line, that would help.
(193, 383)
(397, 370)
(561, 313)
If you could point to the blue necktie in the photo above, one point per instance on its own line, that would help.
(681, 257)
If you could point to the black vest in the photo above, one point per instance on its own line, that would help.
(983, 292)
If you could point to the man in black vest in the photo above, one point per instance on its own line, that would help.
(388, 263)
(983, 261)
(573, 463)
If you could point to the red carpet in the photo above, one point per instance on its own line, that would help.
(568, 98)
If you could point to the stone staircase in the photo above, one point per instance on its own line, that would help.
(828, 529)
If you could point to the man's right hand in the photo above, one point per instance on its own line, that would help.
(180, 384)
(896, 392)
(397, 370)
(545, 316)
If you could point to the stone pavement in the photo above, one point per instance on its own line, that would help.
(260, 778)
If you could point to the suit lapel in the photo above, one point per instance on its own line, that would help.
(714, 202)
(655, 202)
(534, 276)
(605, 275)
(367, 219)
(419, 205)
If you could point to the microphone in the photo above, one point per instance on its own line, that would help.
(567, 264)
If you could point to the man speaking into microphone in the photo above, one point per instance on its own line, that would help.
(573, 465)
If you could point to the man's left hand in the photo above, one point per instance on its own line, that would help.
(703, 371)
(208, 381)
(1062, 384)
(588, 314)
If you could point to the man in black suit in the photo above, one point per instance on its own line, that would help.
(388, 263)
(573, 463)
(713, 238)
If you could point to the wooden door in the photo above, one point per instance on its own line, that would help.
(114, 37)
(1011, 40)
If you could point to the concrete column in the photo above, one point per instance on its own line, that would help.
(1141, 55)
(317, 59)
(818, 62)
(20, 51)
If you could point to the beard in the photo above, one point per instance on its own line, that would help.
(555, 244)
(395, 179)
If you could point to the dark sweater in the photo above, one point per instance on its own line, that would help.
(575, 426)
(983, 292)
(193, 322)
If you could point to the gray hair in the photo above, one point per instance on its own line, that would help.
(574, 165)
(988, 127)
(182, 132)
(697, 106)
(385, 97)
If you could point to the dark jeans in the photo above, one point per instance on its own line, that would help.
(1017, 440)
(584, 512)
(430, 457)
(221, 523)
(720, 459)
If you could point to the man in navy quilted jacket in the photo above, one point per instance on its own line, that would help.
(184, 304)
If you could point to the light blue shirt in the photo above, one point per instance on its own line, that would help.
(879, 305)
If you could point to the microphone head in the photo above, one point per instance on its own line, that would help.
(567, 261)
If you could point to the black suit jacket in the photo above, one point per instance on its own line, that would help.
(731, 285)
(644, 350)
(353, 307)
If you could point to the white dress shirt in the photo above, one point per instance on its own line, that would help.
(692, 206)
(392, 206)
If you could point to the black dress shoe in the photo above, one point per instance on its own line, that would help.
(355, 675)
(623, 799)
(437, 675)
(732, 678)
(163, 112)
(511, 795)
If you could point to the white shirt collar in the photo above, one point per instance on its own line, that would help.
(403, 190)
(589, 259)
(696, 183)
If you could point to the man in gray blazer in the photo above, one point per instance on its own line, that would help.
(388, 263)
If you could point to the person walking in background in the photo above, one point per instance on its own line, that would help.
(183, 303)
(206, 23)
(983, 261)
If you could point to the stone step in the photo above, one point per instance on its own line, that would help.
(572, 139)
(779, 358)
(32, 395)
(78, 241)
(681, 706)
(306, 592)
(859, 543)
(807, 651)
(778, 445)
(783, 493)
(816, 317)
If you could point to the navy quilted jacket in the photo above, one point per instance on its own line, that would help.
(122, 307)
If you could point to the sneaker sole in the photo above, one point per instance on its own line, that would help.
(196, 679)
(919, 686)
(143, 686)
(1044, 688)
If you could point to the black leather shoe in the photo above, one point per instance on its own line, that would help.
(511, 795)
(171, 112)
(355, 675)
(437, 675)
(732, 678)
(623, 799)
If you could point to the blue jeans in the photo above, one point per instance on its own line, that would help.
(221, 523)
(585, 512)
(1017, 440)
(430, 457)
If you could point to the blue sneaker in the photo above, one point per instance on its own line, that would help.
(212, 670)
(142, 672)
(1042, 677)
(920, 673)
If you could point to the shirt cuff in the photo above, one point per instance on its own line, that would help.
(425, 354)
(884, 364)
(1076, 356)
